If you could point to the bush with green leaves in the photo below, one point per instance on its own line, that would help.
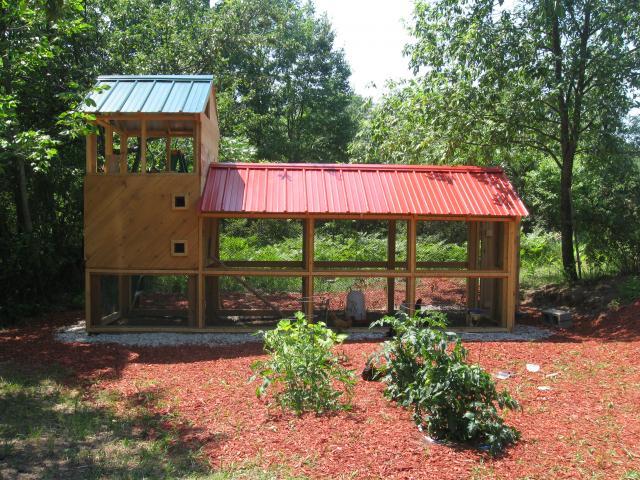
(426, 368)
(302, 369)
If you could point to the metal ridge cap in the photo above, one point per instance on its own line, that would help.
(174, 78)
(360, 166)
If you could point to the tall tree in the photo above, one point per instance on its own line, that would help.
(283, 88)
(552, 76)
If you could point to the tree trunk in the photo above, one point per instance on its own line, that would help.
(24, 219)
(566, 219)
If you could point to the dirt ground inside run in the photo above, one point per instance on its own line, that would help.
(586, 426)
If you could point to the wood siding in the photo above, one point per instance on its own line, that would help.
(129, 221)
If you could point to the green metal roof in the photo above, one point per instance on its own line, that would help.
(151, 94)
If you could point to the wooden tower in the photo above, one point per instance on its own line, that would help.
(145, 173)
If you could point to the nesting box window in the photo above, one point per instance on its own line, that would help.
(179, 248)
(179, 201)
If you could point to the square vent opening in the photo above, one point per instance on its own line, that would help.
(179, 201)
(179, 248)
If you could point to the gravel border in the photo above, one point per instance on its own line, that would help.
(77, 334)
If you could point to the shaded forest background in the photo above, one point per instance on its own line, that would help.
(546, 89)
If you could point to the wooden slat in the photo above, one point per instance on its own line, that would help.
(167, 154)
(472, 258)
(411, 260)
(362, 273)
(308, 257)
(91, 153)
(124, 152)
(143, 147)
(391, 262)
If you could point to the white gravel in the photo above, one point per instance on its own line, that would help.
(77, 333)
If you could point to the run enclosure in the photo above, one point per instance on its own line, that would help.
(488, 277)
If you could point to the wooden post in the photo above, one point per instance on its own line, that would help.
(143, 146)
(509, 284)
(109, 164)
(87, 299)
(391, 265)
(517, 253)
(192, 295)
(196, 148)
(307, 254)
(124, 153)
(167, 165)
(92, 153)
(472, 263)
(124, 294)
(95, 300)
(200, 279)
(411, 264)
(488, 261)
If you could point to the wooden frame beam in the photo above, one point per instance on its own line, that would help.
(391, 264)
(308, 235)
(143, 148)
(92, 153)
(411, 260)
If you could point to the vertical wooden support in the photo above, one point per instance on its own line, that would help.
(197, 147)
(517, 253)
(124, 294)
(391, 265)
(472, 262)
(87, 299)
(509, 284)
(95, 289)
(124, 154)
(201, 298)
(488, 262)
(92, 153)
(143, 146)
(192, 295)
(411, 264)
(167, 160)
(109, 163)
(307, 254)
(211, 250)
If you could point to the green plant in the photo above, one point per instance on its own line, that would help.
(303, 368)
(426, 368)
(630, 289)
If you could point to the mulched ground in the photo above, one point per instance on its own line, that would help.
(586, 426)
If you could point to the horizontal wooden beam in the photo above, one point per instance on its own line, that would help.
(255, 263)
(137, 271)
(358, 273)
(159, 172)
(326, 264)
(180, 117)
(151, 134)
(250, 329)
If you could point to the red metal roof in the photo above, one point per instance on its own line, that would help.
(357, 189)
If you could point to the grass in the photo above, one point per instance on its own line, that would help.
(50, 429)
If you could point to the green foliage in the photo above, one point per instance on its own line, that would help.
(302, 369)
(526, 85)
(426, 368)
(630, 289)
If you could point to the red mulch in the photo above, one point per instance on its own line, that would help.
(587, 425)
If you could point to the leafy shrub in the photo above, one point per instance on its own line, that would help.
(426, 368)
(303, 368)
(630, 289)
